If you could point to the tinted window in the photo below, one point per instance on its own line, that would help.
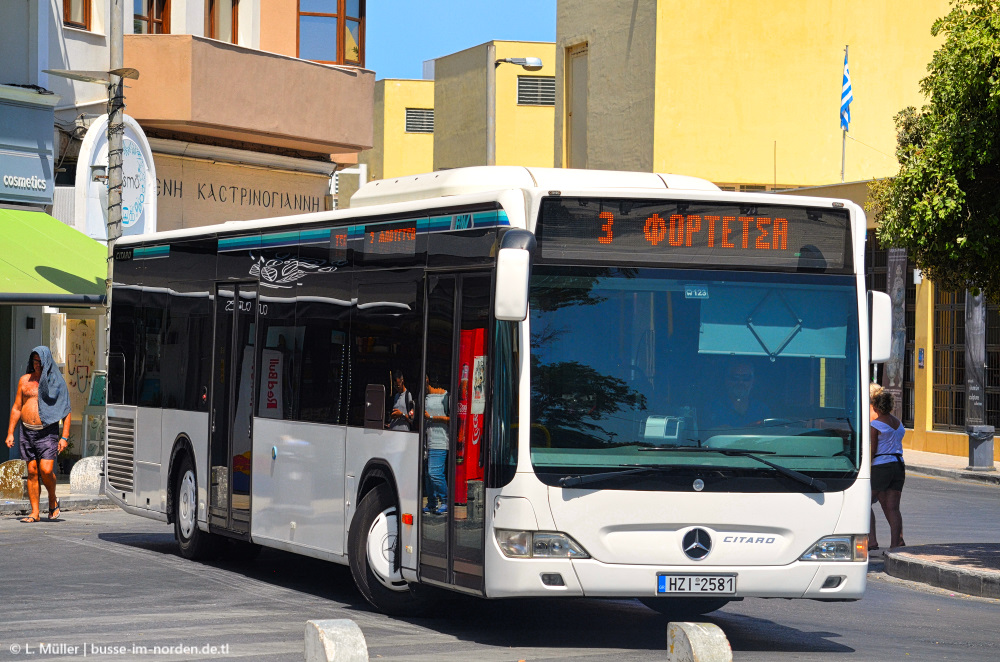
(386, 334)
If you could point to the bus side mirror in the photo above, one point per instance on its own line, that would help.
(513, 271)
(513, 274)
(879, 326)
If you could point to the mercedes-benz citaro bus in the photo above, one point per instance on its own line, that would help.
(510, 381)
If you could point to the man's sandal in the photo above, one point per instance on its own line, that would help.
(55, 511)
(30, 519)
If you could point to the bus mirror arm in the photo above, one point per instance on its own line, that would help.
(513, 275)
(879, 326)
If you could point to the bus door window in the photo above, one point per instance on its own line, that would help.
(436, 426)
(470, 454)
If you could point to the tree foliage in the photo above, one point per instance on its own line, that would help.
(944, 205)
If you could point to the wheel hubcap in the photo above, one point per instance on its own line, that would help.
(185, 504)
(382, 550)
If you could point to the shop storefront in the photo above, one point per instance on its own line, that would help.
(51, 276)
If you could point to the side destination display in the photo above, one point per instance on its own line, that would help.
(686, 233)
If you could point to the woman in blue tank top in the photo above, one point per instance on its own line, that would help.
(888, 470)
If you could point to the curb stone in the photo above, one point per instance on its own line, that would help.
(978, 583)
(67, 504)
(988, 477)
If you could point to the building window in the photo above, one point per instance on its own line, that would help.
(949, 360)
(420, 120)
(332, 31)
(76, 14)
(151, 17)
(536, 90)
(223, 20)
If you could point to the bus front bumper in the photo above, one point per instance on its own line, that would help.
(591, 578)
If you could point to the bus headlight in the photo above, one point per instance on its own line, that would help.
(539, 544)
(838, 548)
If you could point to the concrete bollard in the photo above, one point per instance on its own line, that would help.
(335, 640)
(12, 480)
(85, 476)
(697, 642)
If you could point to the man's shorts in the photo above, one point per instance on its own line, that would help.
(40, 444)
(888, 476)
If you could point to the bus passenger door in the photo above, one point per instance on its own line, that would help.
(454, 396)
(231, 420)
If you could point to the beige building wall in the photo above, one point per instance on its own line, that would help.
(395, 152)
(744, 93)
(460, 108)
(523, 133)
(617, 36)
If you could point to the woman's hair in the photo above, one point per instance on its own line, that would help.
(882, 400)
(874, 389)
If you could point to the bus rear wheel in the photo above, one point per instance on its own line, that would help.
(372, 545)
(684, 608)
(194, 543)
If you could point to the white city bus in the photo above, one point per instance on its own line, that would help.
(623, 385)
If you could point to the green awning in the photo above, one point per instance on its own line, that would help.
(45, 262)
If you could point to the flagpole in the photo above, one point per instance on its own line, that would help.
(843, 142)
(843, 155)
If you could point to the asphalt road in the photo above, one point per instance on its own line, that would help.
(109, 583)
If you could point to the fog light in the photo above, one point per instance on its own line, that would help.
(552, 579)
(833, 582)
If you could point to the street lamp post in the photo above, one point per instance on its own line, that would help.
(526, 63)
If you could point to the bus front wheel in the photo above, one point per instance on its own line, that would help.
(372, 546)
(193, 542)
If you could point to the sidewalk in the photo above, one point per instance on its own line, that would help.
(970, 568)
(67, 502)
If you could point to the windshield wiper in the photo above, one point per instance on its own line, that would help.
(573, 481)
(815, 483)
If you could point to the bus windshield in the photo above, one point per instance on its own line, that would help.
(690, 370)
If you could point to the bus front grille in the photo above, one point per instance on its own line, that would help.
(121, 453)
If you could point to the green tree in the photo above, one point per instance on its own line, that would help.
(944, 205)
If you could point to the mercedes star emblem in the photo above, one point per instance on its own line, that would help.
(697, 544)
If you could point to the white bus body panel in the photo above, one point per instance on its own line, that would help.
(401, 451)
(298, 493)
(156, 433)
(148, 453)
(303, 499)
(193, 425)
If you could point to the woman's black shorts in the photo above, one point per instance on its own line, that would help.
(888, 476)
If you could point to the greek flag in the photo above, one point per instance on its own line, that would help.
(846, 97)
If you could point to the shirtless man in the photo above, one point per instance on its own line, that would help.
(39, 418)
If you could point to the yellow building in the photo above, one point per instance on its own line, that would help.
(741, 94)
(486, 105)
(403, 129)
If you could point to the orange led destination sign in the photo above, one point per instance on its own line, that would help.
(391, 239)
(695, 233)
